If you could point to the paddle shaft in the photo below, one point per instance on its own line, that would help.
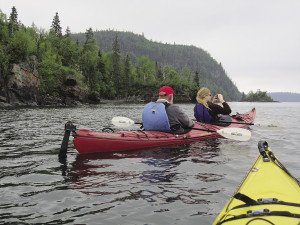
(208, 130)
(238, 134)
(234, 122)
(218, 122)
(192, 128)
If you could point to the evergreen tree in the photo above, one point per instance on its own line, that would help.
(55, 27)
(116, 64)
(68, 32)
(69, 51)
(102, 80)
(4, 32)
(90, 41)
(158, 72)
(89, 59)
(100, 64)
(13, 21)
(196, 79)
(127, 76)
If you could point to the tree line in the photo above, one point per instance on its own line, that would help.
(114, 73)
(258, 96)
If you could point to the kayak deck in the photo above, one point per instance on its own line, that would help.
(268, 194)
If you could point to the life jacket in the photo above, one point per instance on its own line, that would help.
(155, 117)
(201, 114)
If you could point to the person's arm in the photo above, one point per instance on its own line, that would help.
(184, 120)
(226, 108)
(216, 109)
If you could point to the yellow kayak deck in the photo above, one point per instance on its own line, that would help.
(267, 195)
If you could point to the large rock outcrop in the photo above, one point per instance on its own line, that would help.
(21, 88)
(22, 85)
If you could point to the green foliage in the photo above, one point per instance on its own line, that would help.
(259, 96)
(127, 64)
(21, 45)
(68, 32)
(145, 70)
(196, 79)
(127, 80)
(89, 61)
(4, 32)
(171, 75)
(4, 62)
(50, 72)
(69, 51)
(158, 72)
(116, 65)
(210, 72)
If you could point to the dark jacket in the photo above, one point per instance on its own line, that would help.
(210, 115)
(215, 109)
(178, 117)
(179, 121)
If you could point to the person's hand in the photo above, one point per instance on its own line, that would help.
(215, 99)
(220, 97)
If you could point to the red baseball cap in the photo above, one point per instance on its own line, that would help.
(165, 90)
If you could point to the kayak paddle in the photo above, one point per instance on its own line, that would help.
(234, 133)
(122, 122)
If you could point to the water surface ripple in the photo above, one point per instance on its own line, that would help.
(186, 184)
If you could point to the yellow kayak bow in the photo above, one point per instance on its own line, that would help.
(267, 195)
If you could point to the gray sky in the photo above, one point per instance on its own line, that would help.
(257, 41)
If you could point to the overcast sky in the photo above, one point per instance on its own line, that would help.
(257, 41)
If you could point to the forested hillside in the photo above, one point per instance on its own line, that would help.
(45, 66)
(210, 73)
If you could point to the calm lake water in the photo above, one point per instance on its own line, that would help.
(179, 185)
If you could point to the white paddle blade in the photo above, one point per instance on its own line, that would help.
(122, 122)
(238, 134)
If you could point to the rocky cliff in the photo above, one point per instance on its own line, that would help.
(21, 88)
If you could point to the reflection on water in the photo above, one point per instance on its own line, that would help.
(186, 184)
(155, 176)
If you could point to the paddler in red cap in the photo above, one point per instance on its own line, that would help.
(163, 115)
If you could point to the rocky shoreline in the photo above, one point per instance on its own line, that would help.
(53, 102)
(22, 89)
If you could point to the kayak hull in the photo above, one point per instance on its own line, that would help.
(88, 141)
(278, 190)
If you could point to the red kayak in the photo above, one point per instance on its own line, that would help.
(89, 141)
